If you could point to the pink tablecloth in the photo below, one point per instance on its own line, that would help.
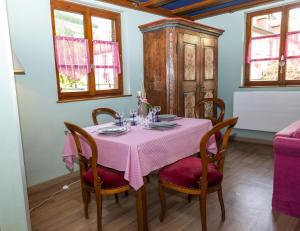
(142, 151)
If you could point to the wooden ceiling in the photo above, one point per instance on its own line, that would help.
(189, 9)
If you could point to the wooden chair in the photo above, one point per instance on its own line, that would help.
(95, 178)
(195, 176)
(102, 111)
(217, 104)
(218, 107)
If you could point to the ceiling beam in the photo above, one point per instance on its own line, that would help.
(197, 6)
(136, 6)
(231, 9)
(156, 3)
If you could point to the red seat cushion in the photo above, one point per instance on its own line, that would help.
(187, 172)
(111, 178)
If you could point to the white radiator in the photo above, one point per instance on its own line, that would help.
(268, 111)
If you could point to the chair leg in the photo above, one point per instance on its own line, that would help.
(99, 211)
(202, 200)
(83, 191)
(220, 195)
(117, 198)
(85, 203)
(162, 202)
(88, 197)
(189, 198)
(126, 193)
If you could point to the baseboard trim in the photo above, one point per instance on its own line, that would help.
(57, 182)
(252, 140)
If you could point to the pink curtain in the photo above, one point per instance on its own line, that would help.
(293, 45)
(263, 48)
(106, 58)
(72, 56)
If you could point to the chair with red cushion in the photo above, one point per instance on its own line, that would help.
(198, 176)
(212, 109)
(102, 111)
(94, 178)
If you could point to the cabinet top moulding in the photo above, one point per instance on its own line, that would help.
(180, 23)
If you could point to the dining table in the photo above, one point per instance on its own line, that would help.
(141, 151)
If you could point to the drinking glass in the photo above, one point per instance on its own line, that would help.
(127, 125)
(133, 117)
(157, 109)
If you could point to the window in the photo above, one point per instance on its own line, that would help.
(88, 49)
(273, 47)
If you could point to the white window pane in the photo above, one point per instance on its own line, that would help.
(294, 20)
(268, 24)
(264, 71)
(70, 25)
(293, 69)
(106, 79)
(102, 29)
(68, 84)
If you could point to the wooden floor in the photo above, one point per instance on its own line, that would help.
(247, 194)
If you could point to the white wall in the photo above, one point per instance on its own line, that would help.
(231, 60)
(13, 193)
(41, 117)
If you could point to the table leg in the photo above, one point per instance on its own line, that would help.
(141, 209)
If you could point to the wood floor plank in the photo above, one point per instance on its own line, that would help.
(247, 191)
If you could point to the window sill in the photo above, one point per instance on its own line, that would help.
(91, 98)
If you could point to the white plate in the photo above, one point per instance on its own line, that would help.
(163, 124)
(166, 117)
(111, 130)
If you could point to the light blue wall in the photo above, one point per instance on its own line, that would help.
(13, 194)
(41, 117)
(231, 59)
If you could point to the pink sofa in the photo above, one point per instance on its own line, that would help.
(286, 190)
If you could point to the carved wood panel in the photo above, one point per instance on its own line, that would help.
(189, 104)
(209, 67)
(209, 63)
(190, 61)
(208, 106)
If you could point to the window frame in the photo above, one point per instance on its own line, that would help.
(285, 9)
(87, 13)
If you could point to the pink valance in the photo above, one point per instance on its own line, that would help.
(106, 57)
(293, 45)
(263, 48)
(72, 56)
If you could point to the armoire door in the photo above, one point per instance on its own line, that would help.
(189, 75)
(209, 83)
(154, 70)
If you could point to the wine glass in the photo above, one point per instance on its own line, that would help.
(133, 116)
(157, 109)
(119, 118)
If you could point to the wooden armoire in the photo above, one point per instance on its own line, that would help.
(180, 64)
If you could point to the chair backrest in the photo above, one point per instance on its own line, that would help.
(102, 111)
(84, 163)
(219, 157)
(214, 104)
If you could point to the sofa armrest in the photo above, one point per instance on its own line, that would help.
(286, 146)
